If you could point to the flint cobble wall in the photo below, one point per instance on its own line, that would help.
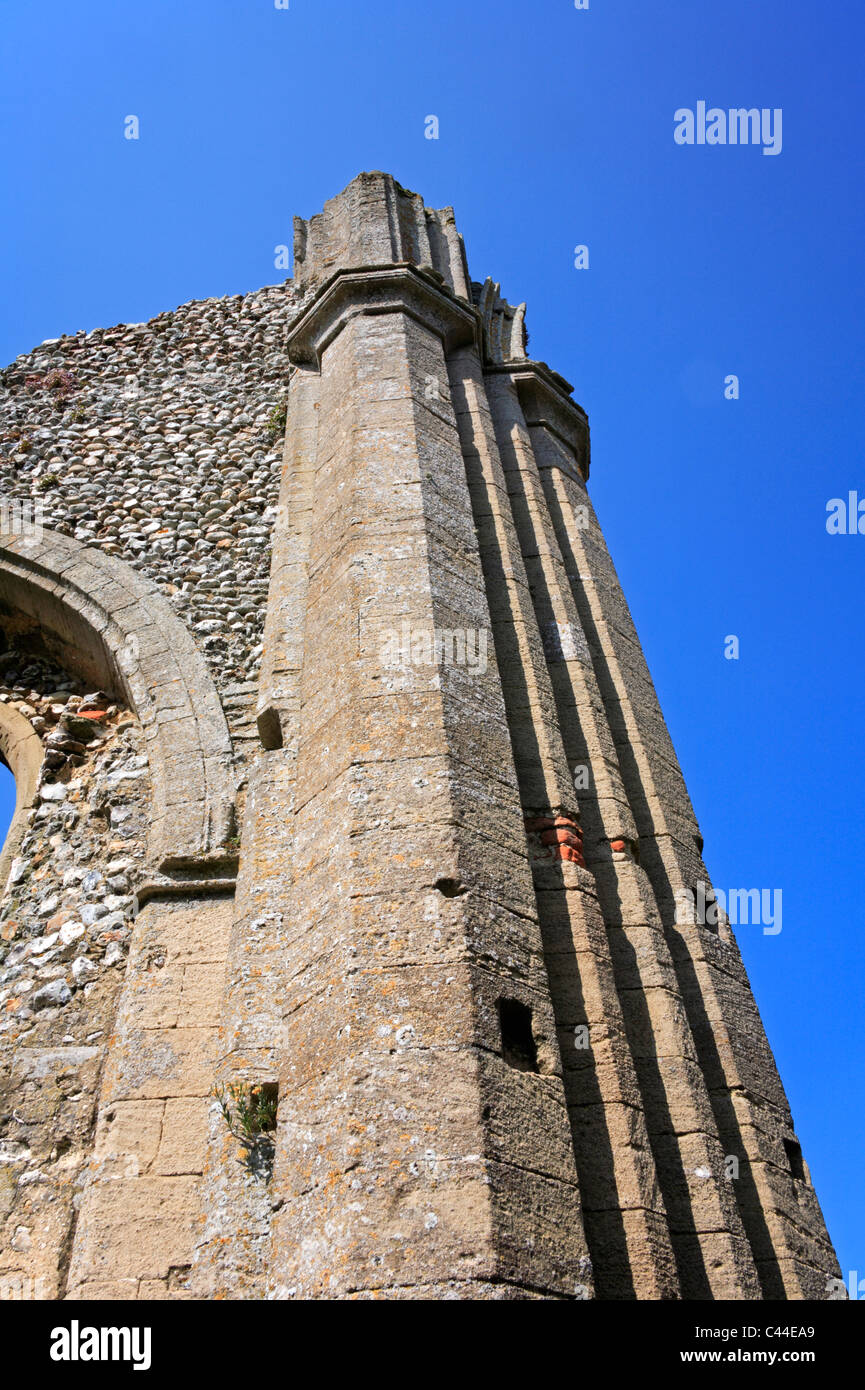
(161, 443)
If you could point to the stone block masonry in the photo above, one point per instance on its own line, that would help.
(369, 886)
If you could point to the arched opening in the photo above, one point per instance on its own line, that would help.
(7, 799)
(20, 761)
(92, 614)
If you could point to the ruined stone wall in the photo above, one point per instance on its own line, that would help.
(505, 1068)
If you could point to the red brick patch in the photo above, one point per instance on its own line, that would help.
(561, 836)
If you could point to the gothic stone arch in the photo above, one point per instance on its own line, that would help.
(100, 618)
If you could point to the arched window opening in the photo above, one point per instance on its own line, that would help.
(7, 799)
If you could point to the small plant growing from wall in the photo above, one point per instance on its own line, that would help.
(276, 421)
(61, 384)
(21, 442)
(250, 1114)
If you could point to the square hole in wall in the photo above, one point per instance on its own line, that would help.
(268, 1102)
(795, 1160)
(518, 1042)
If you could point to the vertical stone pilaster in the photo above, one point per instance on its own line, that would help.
(623, 1212)
(711, 1252)
(234, 1230)
(284, 622)
(413, 1157)
(779, 1213)
(623, 1193)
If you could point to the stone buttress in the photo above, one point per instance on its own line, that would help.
(413, 868)
(504, 1069)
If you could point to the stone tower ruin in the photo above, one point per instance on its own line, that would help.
(347, 813)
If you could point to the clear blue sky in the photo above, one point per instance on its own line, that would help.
(556, 129)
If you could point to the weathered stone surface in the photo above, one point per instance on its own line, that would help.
(321, 612)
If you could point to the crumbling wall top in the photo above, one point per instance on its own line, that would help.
(375, 222)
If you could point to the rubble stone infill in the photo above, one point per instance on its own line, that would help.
(64, 929)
